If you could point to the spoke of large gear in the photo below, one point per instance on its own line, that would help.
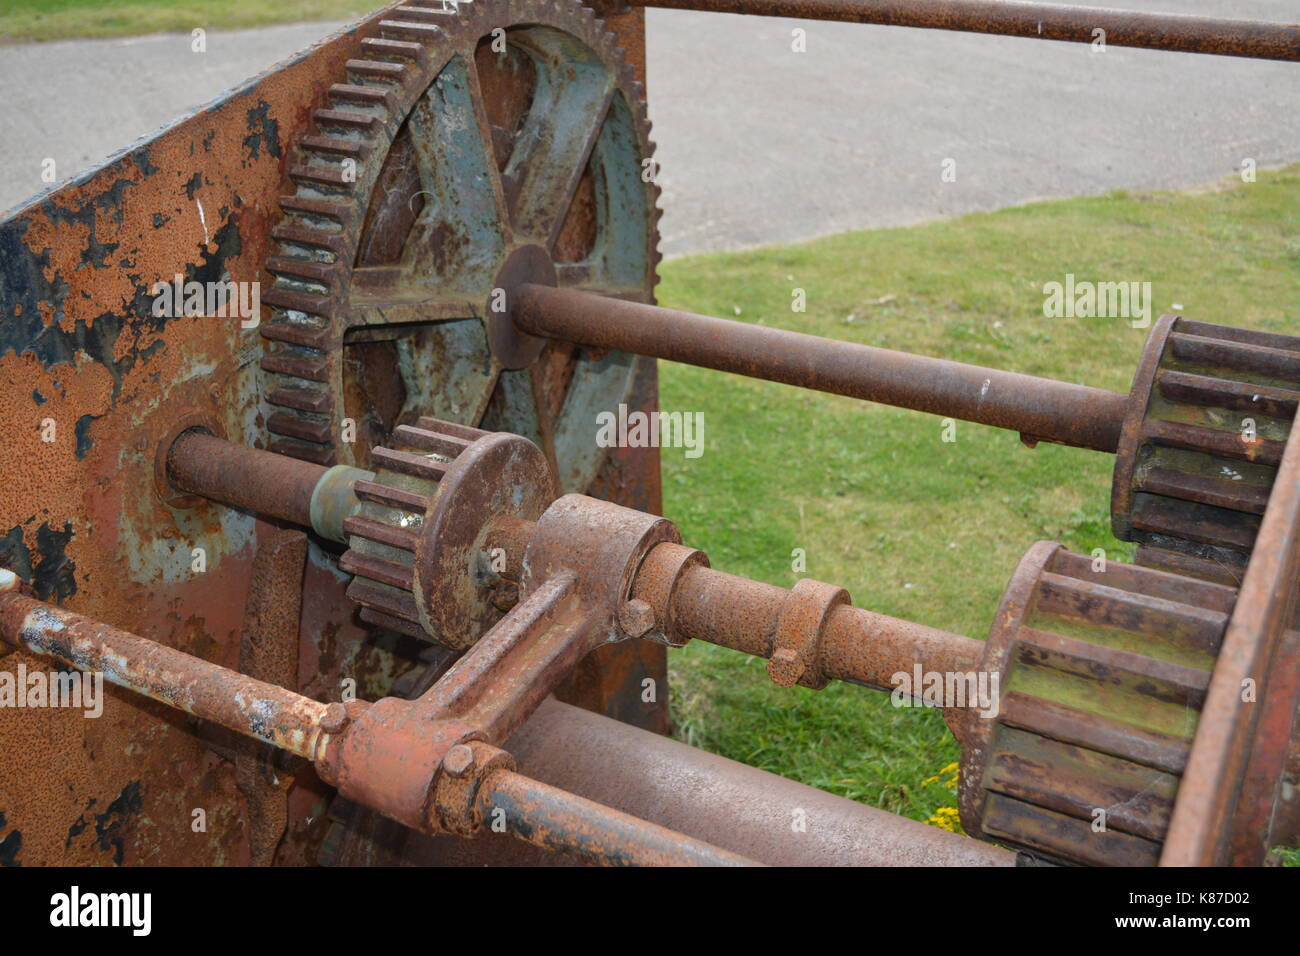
(499, 142)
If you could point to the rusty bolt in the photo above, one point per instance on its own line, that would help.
(636, 618)
(335, 720)
(459, 760)
(785, 667)
(505, 595)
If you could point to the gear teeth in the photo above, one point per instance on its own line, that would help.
(291, 301)
(400, 625)
(383, 536)
(312, 369)
(421, 14)
(296, 334)
(402, 49)
(337, 214)
(409, 29)
(311, 238)
(1102, 678)
(346, 119)
(301, 399)
(303, 270)
(382, 70)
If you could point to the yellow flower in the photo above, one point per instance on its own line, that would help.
(946, 818)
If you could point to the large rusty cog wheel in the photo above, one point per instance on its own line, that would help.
(502, 141)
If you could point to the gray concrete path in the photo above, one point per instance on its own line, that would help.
(761, 144)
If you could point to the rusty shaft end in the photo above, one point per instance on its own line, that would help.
(276, 486)
(248, 706)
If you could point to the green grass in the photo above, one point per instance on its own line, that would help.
(25, 20)
(914, 527)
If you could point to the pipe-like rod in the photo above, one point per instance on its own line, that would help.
(731, 805)
(251, 707)
(1038, 408)
(1175, 32)
(555, 819)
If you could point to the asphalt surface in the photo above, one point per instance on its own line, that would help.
(758, 143)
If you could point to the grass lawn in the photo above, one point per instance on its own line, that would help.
(912, 526)
(24, 20)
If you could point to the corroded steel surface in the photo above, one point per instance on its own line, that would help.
(423, 764)
(443, 171)
(269, 484)
(252, 707)
(1044, 21)
(728, 804)
(433, 521)
(465, 231)
(268, 651)
(559, 820)
(836, 642)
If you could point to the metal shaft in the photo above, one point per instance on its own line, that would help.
(555, 819)
(1038, 408)
(538, 813)
(857, 645)
(261, 481)
(728, 804)
(1045, 21)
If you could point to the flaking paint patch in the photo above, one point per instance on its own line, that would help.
(47, 569)
(114, 826)
(10, 847)
(263, 131)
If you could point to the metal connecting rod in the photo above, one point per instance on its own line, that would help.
(1045, 21)
(1038, 408)
(251, 707)
(536, 812)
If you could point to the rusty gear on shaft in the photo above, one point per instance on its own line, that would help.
(434, 548)
(1102, 671)
(461, 139)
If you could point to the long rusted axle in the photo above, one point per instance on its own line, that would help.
(1175, 32)
(1038, 408)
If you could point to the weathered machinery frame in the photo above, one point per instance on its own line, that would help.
(604, 586)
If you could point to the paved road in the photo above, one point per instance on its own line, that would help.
(761, 144)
